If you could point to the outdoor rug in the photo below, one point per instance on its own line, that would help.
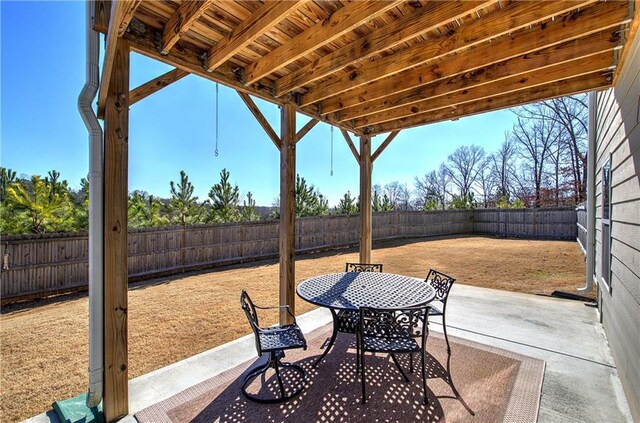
(495, 385)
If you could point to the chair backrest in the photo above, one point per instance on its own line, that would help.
(441, 283)
(252, 316)
(363, 267)
(394, 323)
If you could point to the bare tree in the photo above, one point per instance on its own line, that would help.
(570, 114)
(503, 167)
(536, 138)
(486, 183)
(404, 197)
(393, 190)
(433, 186)
(464, 166)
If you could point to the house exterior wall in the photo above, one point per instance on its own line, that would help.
(618, 140)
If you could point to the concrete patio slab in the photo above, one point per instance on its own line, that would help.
(581, 383)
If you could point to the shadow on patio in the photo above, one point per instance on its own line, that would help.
(580, 379)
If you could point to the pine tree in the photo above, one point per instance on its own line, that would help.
(145, 211)
(183, 207)
(347, 205)
(248, 211)
(308, 200)
(224, 200)
(42, 206)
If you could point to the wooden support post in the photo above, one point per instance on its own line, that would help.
(287, 210)
(366, 167)
(116, 133)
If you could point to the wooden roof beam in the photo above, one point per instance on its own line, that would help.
(352, 146)
(632, 32)
(130, 10)
(406, 103)
(267, 15)
(423, 20)
(384, 145)
(155, 85)
(190, 60)
(305, 129)
(187, 13)
(557, 73)
(339, 23)
(573, 26)
(253, 108)
(597, 80)
(515, 16)
(118, 10)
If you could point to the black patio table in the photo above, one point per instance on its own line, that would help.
(352, 290)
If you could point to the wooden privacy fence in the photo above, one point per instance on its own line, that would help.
(40, 265)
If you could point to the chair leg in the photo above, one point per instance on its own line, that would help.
(453, 386)
(395, 360)
(357, 351)
(278, 378)
(410, 362)
(274, 361)
(444, 328)
(424, 377)
(364, 397)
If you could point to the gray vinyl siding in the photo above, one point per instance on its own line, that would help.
(618, 135)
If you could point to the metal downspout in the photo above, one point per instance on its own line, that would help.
(96, 217)
(591, 195)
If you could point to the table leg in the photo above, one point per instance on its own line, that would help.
(333, 337)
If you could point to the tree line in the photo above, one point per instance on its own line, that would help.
(541, 162)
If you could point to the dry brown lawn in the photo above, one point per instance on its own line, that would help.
(44, 352)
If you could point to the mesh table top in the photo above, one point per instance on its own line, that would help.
(352, 290)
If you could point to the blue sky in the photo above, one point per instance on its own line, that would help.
(43, 70)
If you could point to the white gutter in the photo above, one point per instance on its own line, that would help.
(591, 195)
(96, 217)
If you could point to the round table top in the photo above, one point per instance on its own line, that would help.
(352, 290)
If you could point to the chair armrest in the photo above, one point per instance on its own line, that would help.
(286, 307)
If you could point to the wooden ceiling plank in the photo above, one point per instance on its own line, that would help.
(384, 145)
(342, 21)
(422, 21)
(352, 147)
(189, 60)
(515, 16)
(571, 86)
(155, 85)
(128, 13)
(557, 73)
(187, 13)
(268, 15)
(260, 118)
(305, 129)
(521, 65)
(576, 25)
(118, 8)
(633, 32)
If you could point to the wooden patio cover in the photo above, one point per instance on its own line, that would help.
(367, 67)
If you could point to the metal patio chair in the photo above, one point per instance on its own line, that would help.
(274, 341)
(442, 284)
(363, 267)
(394, 331)
(346, 321)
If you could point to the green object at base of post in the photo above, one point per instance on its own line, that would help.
(75, 410)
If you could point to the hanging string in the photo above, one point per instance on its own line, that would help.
(331, 151)
(217, 95)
